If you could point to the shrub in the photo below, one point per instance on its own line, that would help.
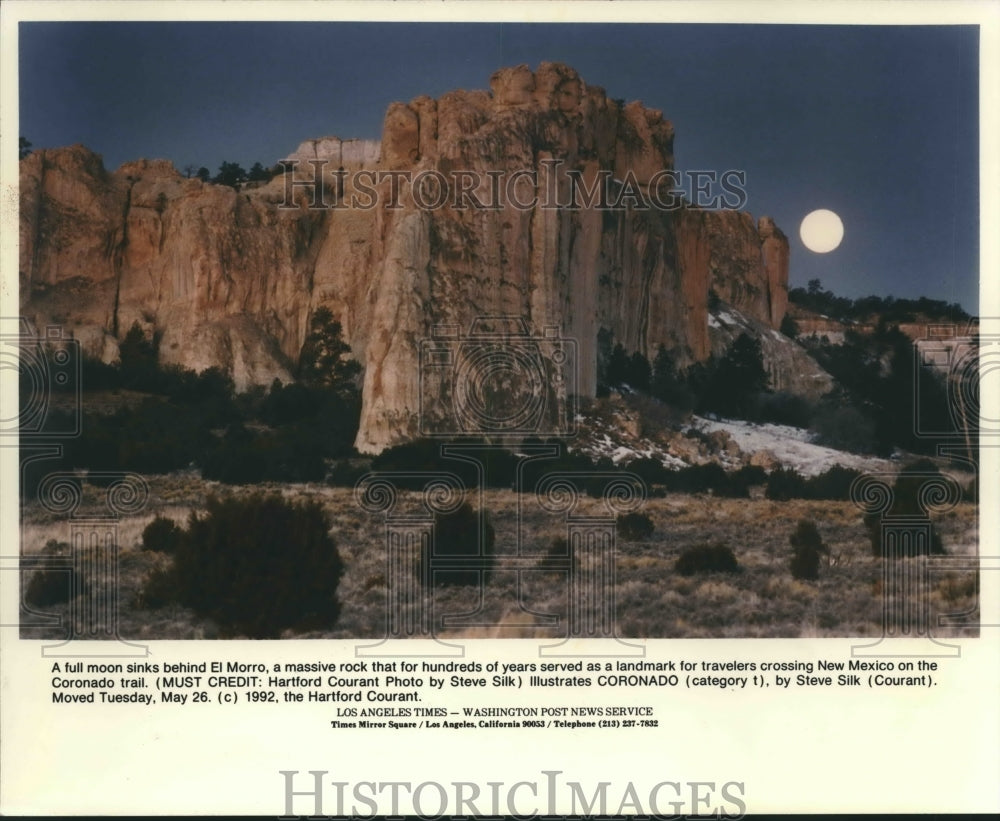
(834, 484)
(698, 478)
(905, 502)
(806, 549)
(650, 470)
(257, 566)
(417, 455)
(346, 473)
(734, 485)
(750, 475)
(906, 489)
(49, 587)
(784, 484)
(634, 526)
(162, 535)
(210, 395)
(554, 560)
(789, 327)
(459, 555)
(498, 465)
(873, 524)
(244, 457)
(285, 404)
(569, 461)
(845, 428)
(154, 437)
(235, 459)
(783, 408)
(655, 415)
(706, 558)
(161, 588)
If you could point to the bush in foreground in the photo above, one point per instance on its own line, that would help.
(556, 557)
(807, 547)
(784, 484)
(49, 587)
(634, 526)
(906, 493)
(257, 566)
(707, 558)
(458, 556)
(162, 535)
(833, 484)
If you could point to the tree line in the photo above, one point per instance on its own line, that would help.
(231, 173)
(179, 419)
(888, 308)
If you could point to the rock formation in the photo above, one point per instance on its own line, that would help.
(230, 278)
(789, 368)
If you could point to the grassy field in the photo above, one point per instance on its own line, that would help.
(652, 600)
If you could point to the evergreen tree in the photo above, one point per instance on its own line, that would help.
(604, 346)
(230, 173)
(733, 387)
(258, 173)
(323, 362)
(789, 327)
(618, 367)
(639, 373)
(137, 356)
(667, 384)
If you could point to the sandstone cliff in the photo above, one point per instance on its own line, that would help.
(230, 278)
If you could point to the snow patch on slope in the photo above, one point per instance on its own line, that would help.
(790, 446)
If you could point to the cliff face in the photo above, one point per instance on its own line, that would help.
(230, 278)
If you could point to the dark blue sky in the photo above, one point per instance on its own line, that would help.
(879, 124)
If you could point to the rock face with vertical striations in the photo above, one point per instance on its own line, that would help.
(229, 278)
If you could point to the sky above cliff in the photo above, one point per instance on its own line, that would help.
(879, 124)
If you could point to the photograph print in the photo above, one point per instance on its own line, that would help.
(394, 330)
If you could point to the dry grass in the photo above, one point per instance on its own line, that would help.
(651, 600)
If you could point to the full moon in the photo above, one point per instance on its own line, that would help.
(821, 231)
